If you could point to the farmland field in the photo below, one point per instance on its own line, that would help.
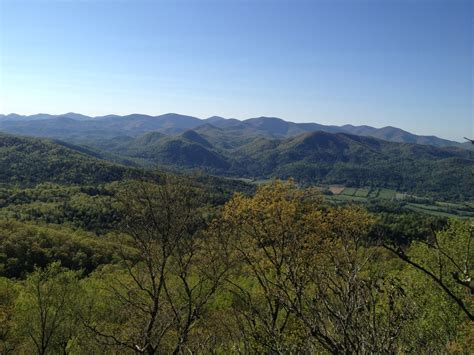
(362, 195)
(373, 193)
(349, 191)
(387, 194)
(336, 189)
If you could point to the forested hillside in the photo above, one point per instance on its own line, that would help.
(96, 257)
(28, 161)
(99, 258)
(310, 158)
(164, 267)
(359, 161)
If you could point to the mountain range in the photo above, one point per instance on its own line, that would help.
(74, 126)
(257, 148)
(310, 158)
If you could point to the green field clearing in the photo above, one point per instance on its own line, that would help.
(428, 207)
(362, 193)
(345, 198)
(349, 191)
(343, 195)
(440, 211)
(433, 212)
(387, 194)
(466, 206)
(373, 193)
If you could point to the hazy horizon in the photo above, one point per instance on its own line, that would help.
(406, 64)
(460, 139)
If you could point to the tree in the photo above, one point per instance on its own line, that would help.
(304, 278)
(341, 295)
(261, 232)
(44, 313)
(8, 294)
(170, 272)
(447, 260)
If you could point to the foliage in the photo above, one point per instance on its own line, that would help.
(165, 291)
(26, 246)
(44, 318)
(165, 267)
(447, 260)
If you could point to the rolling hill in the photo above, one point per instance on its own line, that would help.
(311, 158)
(66, 128)
(258, 148)
(351, 160)
(186, 150)
(28, 161)
(72, 126)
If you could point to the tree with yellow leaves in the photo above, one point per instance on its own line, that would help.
(302, 275)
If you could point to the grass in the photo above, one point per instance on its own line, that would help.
(432, 212)
(374, 193)
(345, 198)
(387, 194)
(341, 195)
(367, 192)
(444, 209)
(362, 193)
(349, 191)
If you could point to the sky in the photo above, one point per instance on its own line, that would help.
(403, 63)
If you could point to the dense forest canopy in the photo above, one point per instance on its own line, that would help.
(27, 161)
(161, 265)
(316, 158)
(98, 255)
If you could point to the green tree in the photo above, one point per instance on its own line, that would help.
(8, 294)
(170, 272)
(344, 298)
(304, 278)
(261, 232)
(44, 318)
(447, 260)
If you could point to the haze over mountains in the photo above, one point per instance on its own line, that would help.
(73, 125)
(257, 148)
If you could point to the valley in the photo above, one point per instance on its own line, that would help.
(236, 177)
(263, 148)
(423, 205)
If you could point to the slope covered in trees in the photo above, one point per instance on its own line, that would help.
(361, 161)
(274, 271)
(97, 258)
(310, 158)
(27, 161)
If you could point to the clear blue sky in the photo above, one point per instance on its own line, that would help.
(404, 63)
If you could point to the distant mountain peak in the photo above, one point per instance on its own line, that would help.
(266, 119)
(215, 119)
